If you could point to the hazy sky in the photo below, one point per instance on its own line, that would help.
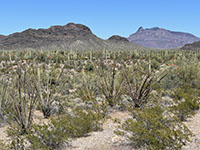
(104, 17)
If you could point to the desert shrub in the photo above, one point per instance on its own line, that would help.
(188, 75)
(170, 81)
(186, 103)
(155, 64)
(152, 130)
(3, 146)
(50, 136)
(17, 139)
(41, 57)
(47, 137)
(184, 75)
(89, 67)
(4, 58)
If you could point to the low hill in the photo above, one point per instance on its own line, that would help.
(193, 46)
(117, 38)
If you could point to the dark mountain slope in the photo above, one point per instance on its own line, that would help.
(71, 36)
(193, 46)
(2, 37)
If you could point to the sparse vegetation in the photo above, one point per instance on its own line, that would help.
(152, 129)
(76, 91)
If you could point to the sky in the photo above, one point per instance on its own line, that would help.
(104, 17)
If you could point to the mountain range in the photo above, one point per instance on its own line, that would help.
(161, 38)
(70, 36)
(80, 37)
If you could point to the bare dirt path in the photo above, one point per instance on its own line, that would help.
(194, 125)
(103, 140)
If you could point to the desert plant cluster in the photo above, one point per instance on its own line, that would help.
(74, 93)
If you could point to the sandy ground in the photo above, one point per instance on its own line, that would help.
(194, 125)
(107, 140)
(103, 140)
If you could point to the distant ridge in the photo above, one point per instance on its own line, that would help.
(70, 36)
(117, 38)
(161, 38)
(193, 46)
(1, 37)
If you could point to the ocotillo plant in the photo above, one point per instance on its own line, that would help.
(23, 97)
(50, 86)
(3, 95)
(110, 83)
(139, 85)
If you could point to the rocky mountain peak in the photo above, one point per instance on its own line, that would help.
(161, 38)
(140, 29)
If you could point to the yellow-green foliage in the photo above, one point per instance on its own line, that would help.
(3, 146)
(52, 135)
(186, 103)
(58, 82)
(152, 130)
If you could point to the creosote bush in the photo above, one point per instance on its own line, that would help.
(152, 130)
(50, 136)
(186, 103)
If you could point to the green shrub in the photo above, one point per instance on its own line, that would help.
(60, 129)
(155, 64)
(186, 74)
(47, 137)
(3, 146)
(152, 130)
(186, 103)
(17, 139)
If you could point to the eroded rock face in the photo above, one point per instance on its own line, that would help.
(117, 38)
(161, 38)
